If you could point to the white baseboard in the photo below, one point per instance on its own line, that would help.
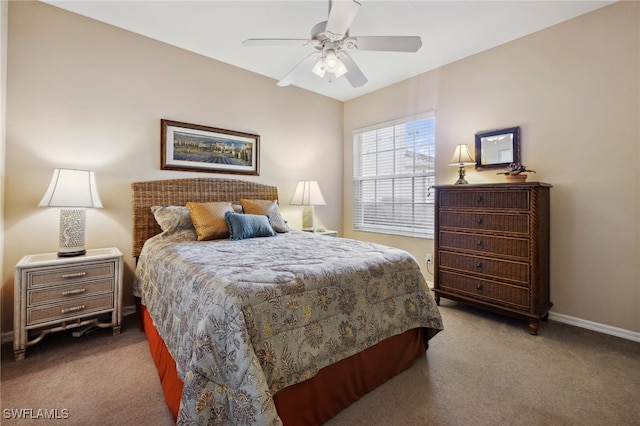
(126, 310)
(590, 325)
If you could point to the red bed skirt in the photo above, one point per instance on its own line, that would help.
(313, 401)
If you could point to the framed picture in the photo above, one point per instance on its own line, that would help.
(497, 149)
(192, 147)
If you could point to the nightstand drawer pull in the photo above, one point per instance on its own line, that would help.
(72, 309)
(479, 221)
(480, 200)
(479, 286)
(479, 244)
(479, 265)
(74, 275)
(75, 291)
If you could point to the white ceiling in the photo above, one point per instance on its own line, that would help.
(450, 30)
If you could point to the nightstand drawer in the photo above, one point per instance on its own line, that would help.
(69, 292)
(503, 269)
(513, 247)
(70, 309)
(485, 289)
(512, 223)
(69, 274)
(503, 200)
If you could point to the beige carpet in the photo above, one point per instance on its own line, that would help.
(484, 369)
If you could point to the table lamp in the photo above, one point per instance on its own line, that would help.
(74, 191)
(461, 158)
(307, 195)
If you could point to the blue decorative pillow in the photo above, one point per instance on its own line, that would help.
(243, 226)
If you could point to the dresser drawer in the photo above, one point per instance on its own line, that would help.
(511, 223)
(69, 292)
(513, 247)
(69, 309)
(67, 275)
(497, 268)
(481, 289)
(485, 199)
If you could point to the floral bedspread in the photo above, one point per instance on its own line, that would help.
(244, 319)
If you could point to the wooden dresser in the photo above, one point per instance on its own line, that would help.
(492, 248)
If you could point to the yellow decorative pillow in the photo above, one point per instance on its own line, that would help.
(208, 219)
(268, 208)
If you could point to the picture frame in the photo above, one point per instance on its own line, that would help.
(496, 149)
(198, 148)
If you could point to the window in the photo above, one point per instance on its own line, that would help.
(393, 175)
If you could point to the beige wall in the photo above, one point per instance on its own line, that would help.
(82, 94)
(574, 91)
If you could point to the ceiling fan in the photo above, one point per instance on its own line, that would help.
(331, 40)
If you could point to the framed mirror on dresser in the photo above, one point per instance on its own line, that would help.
(496, 149)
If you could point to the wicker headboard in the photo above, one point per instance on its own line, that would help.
(178, 192)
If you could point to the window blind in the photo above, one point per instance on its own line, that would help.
(394, 172)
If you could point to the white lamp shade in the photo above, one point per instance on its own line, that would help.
(307, 193)
(461, 156)
(72, 188)
(340, 69)
(331, 60)
(319, 69)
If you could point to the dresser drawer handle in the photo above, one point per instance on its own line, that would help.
(479, 265)
(74, 275)
(479, 200)
(72, 309)
(479, 221)
(478, 286)
(479, 244)
(75, 291)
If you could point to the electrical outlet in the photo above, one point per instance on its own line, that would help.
(429, 258)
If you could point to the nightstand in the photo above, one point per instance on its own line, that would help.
(54, 293)
(328, 233)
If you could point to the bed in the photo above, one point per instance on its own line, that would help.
(288, 328)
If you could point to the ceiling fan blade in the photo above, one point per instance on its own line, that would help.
(388, 44)
(305, 65)
(275, 42)
(341, 15)
(353, 75)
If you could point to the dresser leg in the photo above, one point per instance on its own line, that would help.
(533, 326)
(19, 354)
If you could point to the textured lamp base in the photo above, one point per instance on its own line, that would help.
(72, 226)
(307, 218)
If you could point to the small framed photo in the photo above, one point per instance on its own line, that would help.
(192, 147)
